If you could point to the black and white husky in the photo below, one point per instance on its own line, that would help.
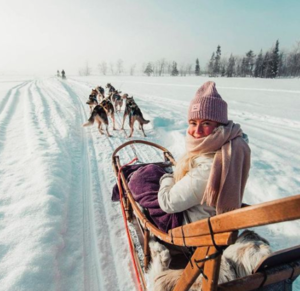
(238, 260)
(92, 102)
(100, 114)
(134, 113)
(100, 93)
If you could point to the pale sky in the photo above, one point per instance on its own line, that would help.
(42, 36)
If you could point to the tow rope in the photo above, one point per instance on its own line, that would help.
(126, 226)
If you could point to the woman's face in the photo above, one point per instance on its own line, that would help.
(201, 127)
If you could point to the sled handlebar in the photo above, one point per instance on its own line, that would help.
(166, 153)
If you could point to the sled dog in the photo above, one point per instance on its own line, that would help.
(134, 113)
(113, 96)
(118, 101)
(92, 102)
(111, 88)
(100, 114)
(109, 110)
(238, 260)
(100, 93)
(94, 93)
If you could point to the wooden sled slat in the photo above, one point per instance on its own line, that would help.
(191, 272)
(284, 209)
(211, 270)
(221, 239)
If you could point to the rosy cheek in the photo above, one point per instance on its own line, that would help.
(208, 131)
(190, 131)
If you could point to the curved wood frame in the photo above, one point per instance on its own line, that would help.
(167, 154)
(197, 234)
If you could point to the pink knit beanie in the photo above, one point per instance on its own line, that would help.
(208, 104)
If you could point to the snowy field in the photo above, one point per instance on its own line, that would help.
(59, 230)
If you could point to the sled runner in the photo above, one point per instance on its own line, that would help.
(206, 238)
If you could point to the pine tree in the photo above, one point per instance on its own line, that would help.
(197, 68)
(217, 65)
(149, 70)
(266, 68)
(230, 67)
(274, 61)
(258, 71)
(210, 65)
(238, 70)
(243, 68)
(223, 70)
(282, 65)
(174, 69)
(295, 57)
(249, 63)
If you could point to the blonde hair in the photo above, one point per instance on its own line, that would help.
(184, 165)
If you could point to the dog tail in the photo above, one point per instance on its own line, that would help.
(142, 120)
(90, 121)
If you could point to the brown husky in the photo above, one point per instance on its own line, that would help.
(109, 110)
(92, 102)
(134, 113)
(100, 114)
(100, 93)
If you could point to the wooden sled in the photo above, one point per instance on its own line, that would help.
(276, 272)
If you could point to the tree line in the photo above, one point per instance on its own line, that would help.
(269, 64)
(163, 67)
(106, 68)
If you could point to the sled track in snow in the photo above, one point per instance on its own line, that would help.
(92, 277)
(97, 236)
(7, 109)
(10, 94)
(91, 258)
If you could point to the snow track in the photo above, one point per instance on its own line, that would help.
(56, 177)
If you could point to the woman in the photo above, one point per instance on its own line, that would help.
(210, 178)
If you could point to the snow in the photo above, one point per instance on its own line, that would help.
(59, 229)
